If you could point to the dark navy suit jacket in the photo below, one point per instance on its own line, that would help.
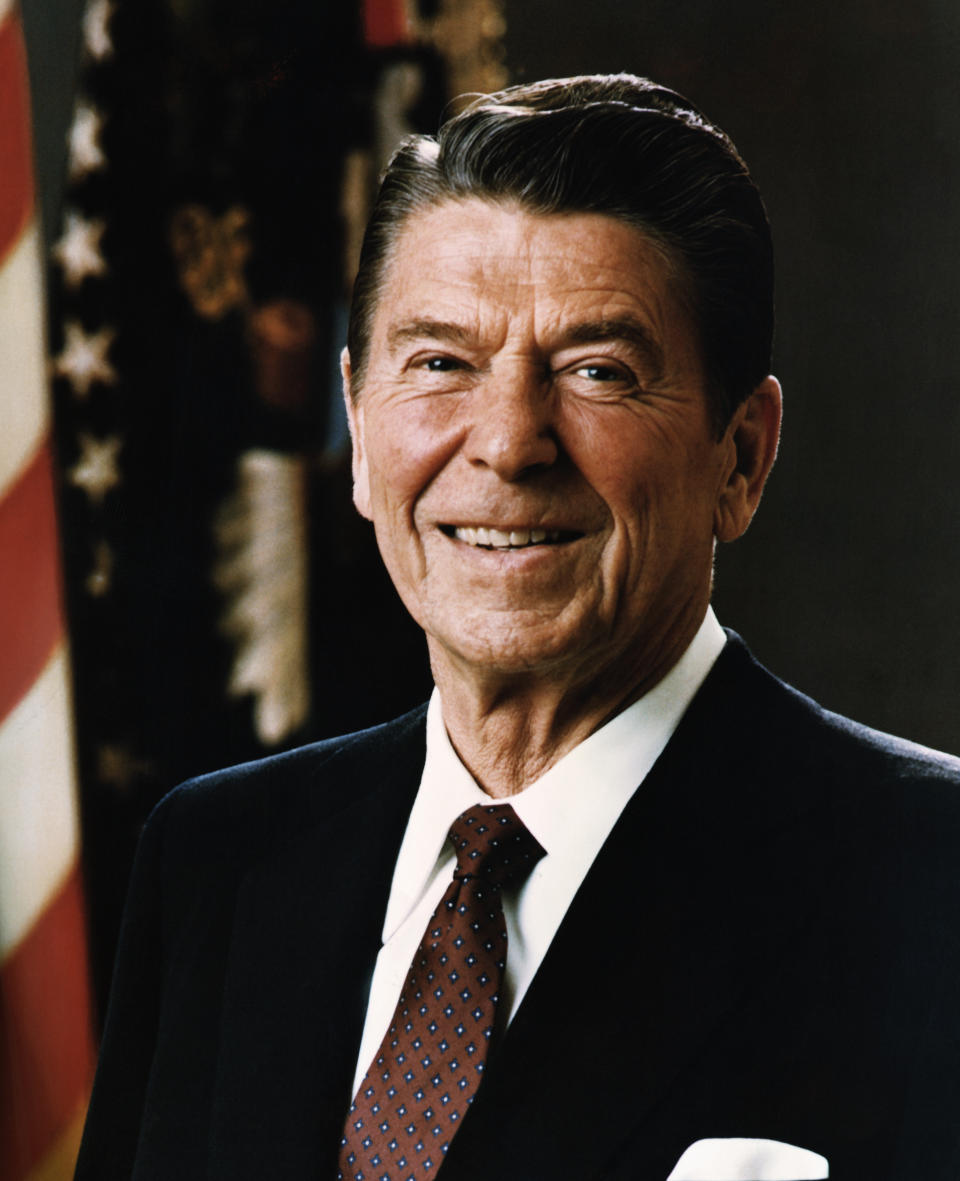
(768, 945)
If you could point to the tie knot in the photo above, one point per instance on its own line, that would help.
(493, 844)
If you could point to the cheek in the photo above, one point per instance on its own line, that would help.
(657, 494)
(407, 446)
(616, 462)
(396, 451)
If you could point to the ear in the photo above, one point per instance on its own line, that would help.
(752, 438)
(361, 476)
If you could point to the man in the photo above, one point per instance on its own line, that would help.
(714, 932)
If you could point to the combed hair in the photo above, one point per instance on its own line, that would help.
(616, 145)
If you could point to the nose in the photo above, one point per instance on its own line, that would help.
(512, 427)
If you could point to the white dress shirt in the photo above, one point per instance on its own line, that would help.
(570, 809)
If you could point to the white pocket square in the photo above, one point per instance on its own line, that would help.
(740, 1159)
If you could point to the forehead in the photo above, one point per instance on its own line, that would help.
(502, 262)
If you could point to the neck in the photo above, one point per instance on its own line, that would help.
(508, 728)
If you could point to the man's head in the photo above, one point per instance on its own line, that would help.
(616, 145)
(558, 397)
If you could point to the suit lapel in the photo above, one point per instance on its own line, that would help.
(306, 934)
(690, 904)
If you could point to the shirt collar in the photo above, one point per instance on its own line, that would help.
(573, 806)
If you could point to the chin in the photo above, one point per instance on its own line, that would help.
(514, 651)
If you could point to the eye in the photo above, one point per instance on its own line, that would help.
(609, 376)
(434, 372)
(440, 364)
(597, 372)
(599, 378)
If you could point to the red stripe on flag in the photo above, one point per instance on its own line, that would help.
(46, 1047)
(385, 23)
(16, 169)
(30, 619)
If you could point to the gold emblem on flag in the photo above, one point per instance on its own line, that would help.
(211, 253)
(468, 35)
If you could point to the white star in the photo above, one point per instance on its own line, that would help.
(84, 358)
(98, 581)
(96, 29)
(96, 469)
(78, 250)
(83, 140)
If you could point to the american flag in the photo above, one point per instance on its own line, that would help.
(46, 1052)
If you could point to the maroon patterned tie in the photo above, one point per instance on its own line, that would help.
(431, 1060)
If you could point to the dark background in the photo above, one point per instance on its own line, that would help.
(847, 583)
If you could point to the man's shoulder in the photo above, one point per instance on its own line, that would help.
(298, 787)
(850, 802)
(805, 737)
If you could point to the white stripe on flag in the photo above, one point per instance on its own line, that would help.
(22, 349)
(6, 7)
(39, 832)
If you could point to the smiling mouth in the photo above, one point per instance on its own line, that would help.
(489, 538)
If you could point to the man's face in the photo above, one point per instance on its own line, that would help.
(533, 443)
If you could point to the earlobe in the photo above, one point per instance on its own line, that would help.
(361, 480)
(753, 436)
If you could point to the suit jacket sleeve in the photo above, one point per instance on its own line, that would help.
(113, 1124)
(240, 986)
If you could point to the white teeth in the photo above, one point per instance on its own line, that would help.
(501, 538)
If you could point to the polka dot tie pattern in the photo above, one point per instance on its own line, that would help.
(430, 1064)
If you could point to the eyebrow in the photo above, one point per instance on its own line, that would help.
(424, 327)
(624, 328)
